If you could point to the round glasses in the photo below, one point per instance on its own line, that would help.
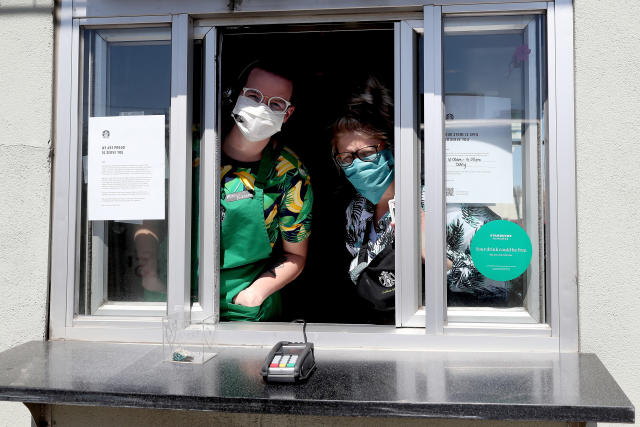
(275, 103)
(369, 153)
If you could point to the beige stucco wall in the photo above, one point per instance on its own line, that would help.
(607, 55)
(26, 67)
(607, 128)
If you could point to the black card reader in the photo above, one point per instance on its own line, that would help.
(289, 362)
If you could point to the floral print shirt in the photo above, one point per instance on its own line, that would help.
(463, 278)
(360, 221)
(288, 196)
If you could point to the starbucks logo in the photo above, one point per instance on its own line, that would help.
(387, 279)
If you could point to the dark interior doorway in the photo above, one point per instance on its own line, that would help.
(329, 60)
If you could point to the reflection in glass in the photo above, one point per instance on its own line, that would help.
(126, 72)
(419, 54)
(495, 92)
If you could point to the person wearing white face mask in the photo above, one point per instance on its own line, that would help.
(266, 198)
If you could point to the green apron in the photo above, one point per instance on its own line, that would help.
(246, 248)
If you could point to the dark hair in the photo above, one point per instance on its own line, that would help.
(369, 110)
(280, 68)
(234, 86)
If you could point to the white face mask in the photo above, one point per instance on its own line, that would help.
(255, 120)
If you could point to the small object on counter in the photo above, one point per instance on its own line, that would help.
(182, 355)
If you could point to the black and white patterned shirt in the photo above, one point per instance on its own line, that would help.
(360, 220)
(462, 223)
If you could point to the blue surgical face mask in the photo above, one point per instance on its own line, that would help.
(372, 179)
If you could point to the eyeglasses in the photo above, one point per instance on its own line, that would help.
(369, 153)
(275, 103)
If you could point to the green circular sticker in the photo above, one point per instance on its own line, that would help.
(501, 250)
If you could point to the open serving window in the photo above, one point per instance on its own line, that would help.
(476, 163)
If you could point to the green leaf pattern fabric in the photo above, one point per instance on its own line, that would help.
(288, 196)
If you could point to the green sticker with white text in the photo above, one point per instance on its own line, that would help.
(501, 250)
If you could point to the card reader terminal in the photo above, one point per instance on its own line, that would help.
(289, 362)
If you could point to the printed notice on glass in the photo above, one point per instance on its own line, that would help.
(478, 150)
(126, 168)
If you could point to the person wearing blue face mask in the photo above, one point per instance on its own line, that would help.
(362, 148)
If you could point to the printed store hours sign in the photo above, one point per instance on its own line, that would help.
(479, 158)
(501, 250)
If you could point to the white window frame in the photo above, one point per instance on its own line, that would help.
(99, 238)
(559, 334)
(530, 312)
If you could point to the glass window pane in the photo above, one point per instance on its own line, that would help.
(410, 173)
(197, 117)
(495, 93)
(126, 74)
(419, 54)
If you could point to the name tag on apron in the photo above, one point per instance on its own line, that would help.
(240, 195)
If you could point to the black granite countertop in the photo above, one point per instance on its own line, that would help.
(501, 386)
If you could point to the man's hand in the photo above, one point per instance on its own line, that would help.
(249, 298)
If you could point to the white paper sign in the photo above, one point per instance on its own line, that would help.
(126, 168)
(479, 159)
